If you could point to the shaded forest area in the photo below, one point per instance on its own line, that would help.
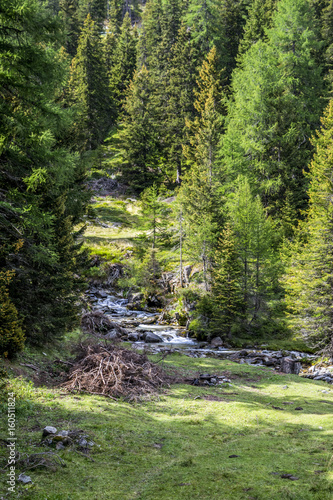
(225, 105)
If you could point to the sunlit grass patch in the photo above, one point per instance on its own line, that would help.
(178, 445)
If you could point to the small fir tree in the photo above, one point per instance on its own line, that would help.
(227, 294)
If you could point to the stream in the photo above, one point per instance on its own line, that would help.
(140, 323)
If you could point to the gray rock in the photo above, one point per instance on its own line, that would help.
(152, 337)
(112, 335)
(24, 479)
(133, 336)
(269, 361)
(289, 365)
(60, 446)
(49, 430)
(216, 342)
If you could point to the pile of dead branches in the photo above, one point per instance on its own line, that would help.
(114, 372)
(96, 323)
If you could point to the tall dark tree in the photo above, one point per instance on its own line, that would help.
(88, 89)
(124, 62)
(37, 171)
(227, 293)
(138, 137)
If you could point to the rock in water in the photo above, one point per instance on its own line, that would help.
(152, 337)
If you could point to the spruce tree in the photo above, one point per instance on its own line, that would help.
(204, 132)
(309, 278)
(227, 294)
(258, 21)
(37, 169)
(138, 138)
(70, 16)
(199, 194)
(255, 246)
(179, 103)
(124, 62)
(88, 89)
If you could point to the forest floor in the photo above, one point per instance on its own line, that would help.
(234, 441)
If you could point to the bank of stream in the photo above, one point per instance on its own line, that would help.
(145, 330)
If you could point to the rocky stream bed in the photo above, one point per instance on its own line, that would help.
(128, 321)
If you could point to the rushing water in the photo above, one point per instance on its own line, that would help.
(116, 308)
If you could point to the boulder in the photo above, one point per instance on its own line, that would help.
(289, 365)
(154, 301)
(133, 336)
(216, 342)
(152, 337)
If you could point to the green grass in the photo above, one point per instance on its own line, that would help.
(177, 446)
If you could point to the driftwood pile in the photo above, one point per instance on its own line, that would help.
(114, 372)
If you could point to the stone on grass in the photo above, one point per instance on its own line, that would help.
(49, 430)
(24, 479)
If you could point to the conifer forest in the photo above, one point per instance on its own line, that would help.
(223, 105)
(166, 249)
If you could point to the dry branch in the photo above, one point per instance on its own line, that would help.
(114, 372)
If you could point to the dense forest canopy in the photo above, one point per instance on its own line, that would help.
(224, 104)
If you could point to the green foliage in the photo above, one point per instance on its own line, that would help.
(258, 21)
(40, 180)
(11, 334)
(276, 107)
(200, 197)
(88, 90)
(124, 59)
(309, 275)
(255, 243)
(227, 293)
(154, 211)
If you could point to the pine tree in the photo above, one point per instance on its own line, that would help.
(72, 24)
(309, 278)
(276, 107)
(179, 103)
(154, 210)
(326, 21)
(11, 334)
(37, 169)
(115, 16)
(258, 21)
(204, 132)
(96, 9)
(199, 194)
(88, 89)
(138, 138)
(227, 294)
(124, 63)
(255, 244)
